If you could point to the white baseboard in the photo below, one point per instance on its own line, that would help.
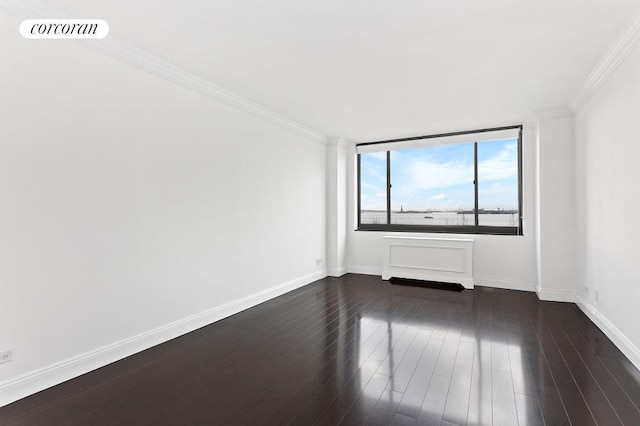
(556, 295)
(628, 348)
(505, 284)
(337, 272)
(49, 376)
(365, 270)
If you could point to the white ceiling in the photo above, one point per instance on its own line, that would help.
(372, 69)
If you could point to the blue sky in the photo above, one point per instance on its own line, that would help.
(442, 177)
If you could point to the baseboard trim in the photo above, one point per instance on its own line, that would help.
(623, 343)
(556, 295)
(365, 270)
(337, 272)
(38, 380)
(506, 284)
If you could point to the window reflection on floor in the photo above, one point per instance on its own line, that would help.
(428, 370)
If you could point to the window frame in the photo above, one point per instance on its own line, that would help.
(446, 229)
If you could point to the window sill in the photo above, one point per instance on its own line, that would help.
(472, 230)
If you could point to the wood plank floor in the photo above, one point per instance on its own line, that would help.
(357, 350)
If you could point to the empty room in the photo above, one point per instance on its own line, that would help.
(319, 213)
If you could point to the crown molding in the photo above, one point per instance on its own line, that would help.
(145, 61)
(556, 111)
(620, 50)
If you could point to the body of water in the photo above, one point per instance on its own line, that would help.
(439, 218)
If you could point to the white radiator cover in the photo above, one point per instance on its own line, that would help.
(424, 258)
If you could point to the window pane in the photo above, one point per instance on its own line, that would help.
(433, 186)
(373, 188)
(498, 183)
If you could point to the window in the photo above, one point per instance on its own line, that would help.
(465, 182)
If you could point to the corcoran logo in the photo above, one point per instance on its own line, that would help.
(64, 28)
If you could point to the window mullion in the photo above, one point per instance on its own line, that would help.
(388, 187)
(520, 230)
(475, 181)
(359, 192)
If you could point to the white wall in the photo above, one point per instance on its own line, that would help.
(556, 259)
(337, 153)
(499, 260)
(128, 203)
(608, 203)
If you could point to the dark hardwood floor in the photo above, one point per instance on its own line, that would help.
(357, 350)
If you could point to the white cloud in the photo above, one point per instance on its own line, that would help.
(370, 187)
(380, 155)
(372, 172)
(425, 175)
(502, 165)
(429, 182)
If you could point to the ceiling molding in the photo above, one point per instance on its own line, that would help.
(140, 59)
(159, 67)
(621, 49)
(557, 111)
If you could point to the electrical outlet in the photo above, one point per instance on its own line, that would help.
(6, 356)
(597, 295)
(318, 261)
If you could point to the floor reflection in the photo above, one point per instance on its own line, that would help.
(432, 368)
(355, 350)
